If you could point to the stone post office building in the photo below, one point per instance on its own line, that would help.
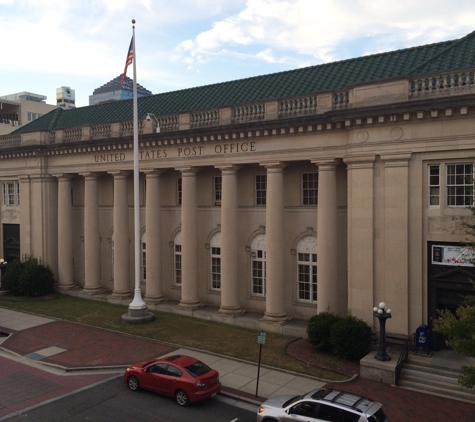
(327, 188)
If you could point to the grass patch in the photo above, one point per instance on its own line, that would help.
(211, 336)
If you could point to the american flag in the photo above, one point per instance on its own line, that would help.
(130, 58)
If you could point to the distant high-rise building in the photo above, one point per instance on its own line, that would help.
(20, 109)
(114, 91)
(65, 97)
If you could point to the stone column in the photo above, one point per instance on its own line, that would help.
(153, 286)
(92, 237)
(327, 291)
(229, 242)
(65, 238)
(275, 256)
(121, 236)
(394, 288)
(361, 246)
(189, 254)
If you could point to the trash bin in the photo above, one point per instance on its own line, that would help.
(422, 338)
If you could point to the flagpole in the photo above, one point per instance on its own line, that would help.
(137, 308)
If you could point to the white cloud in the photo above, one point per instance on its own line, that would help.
(317, 28)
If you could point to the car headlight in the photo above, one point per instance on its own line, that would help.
(261, 409)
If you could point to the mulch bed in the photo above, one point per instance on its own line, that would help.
(303, 351)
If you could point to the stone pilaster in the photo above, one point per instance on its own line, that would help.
(327, 292)
(361, 277)
(394, 288)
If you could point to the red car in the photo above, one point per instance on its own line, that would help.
(185, 378)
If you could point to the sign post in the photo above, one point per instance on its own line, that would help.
(261, 339)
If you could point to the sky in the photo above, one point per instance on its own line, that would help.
(83, 44)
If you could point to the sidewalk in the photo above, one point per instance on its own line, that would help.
(46, 358)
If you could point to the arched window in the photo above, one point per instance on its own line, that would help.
(307, 269)
(215, 255)
(143, 250)
(177, 259)
(258, 265)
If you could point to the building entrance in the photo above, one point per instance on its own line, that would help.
(448, 282)
(11, 242)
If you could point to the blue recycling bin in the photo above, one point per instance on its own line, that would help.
(422, 338)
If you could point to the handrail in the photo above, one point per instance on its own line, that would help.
(408, 345)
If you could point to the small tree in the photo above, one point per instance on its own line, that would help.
(460, 328)
(460, 332)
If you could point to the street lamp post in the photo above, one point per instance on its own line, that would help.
(382, 313)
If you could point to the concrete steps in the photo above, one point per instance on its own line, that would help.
(419, 375)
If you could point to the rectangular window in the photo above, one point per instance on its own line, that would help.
(178, 190)
(309, 188)
(261, 189)
(216, 268)
(307, 277)
(217, 186)
(459, 185)
(258, 273)
(434, 186)
(11, 194)
(178, 265)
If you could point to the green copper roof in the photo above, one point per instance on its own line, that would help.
(432, 58)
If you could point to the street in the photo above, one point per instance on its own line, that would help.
(113, 401)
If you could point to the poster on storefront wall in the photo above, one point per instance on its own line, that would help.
(453, 255)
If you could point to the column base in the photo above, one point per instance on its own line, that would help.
(154, 299)
(121, 294)
(275, 318)
(190, 305)
(92, 290)
(230, 311)
(65, 286)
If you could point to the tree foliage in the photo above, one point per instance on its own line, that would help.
(460, 328)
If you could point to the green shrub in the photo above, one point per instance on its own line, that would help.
(12, 276)
(29, 277)
(350, 338)
(319, 330)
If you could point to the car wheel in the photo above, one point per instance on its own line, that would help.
(133, 383)
(181, 398)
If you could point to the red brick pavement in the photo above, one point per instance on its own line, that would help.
(85, 346)
(409, 406)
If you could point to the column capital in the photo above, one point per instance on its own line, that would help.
(91, 175)
(396, 160)
(64, 176)
(228, 168)
(273, 165)
(153, 172)
(120, 173)
(360, 162)
(188, 170)
(326, 164)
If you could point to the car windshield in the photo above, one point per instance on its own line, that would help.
(293, 400)
(197, 369)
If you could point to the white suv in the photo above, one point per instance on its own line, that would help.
(321, 405)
